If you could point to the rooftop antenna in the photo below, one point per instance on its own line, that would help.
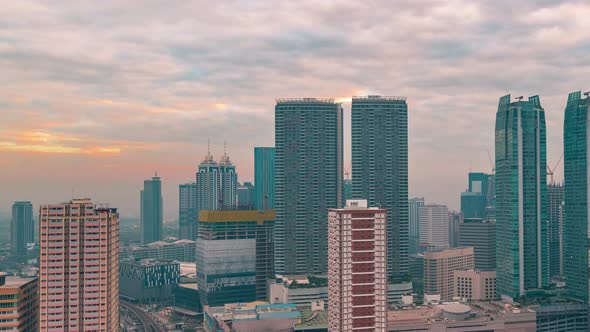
(208, 147)
(491, 162)
(225, 147)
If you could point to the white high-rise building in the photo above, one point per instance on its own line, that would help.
(434, 226)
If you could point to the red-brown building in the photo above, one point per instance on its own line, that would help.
(357, 268)
(18, 304)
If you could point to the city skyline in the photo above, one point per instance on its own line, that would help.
(105, 123)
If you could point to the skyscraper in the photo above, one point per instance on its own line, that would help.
(576, 193)
(309, 173)
(228, 179)
(79, 267)
(455, 219)
(264, 178)
(521, 196)
(246, 196)
(151, 210)
(187, 211)
(217, 184)
(414, 223)
(380, 168)
(475, 200)
(21, 228)
(434, 226)
(481, 235)
(555, 207)
(357, 276)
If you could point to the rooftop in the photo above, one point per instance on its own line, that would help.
(312, 319)
(305, 100)
(237, 216)
(15, 282)
(378, 98)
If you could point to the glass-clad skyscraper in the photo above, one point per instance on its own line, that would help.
(414, 218)
(521, 194)
(21, 228)
(264, 178)
(309, 174)
(187, 211)
(151, 210)
(555, 206)
(380, 168)
(575, 223)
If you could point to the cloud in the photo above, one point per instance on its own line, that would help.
(142, 86)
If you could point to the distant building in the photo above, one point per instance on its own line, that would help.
(79, 263)
(256, 316)
(417, 273)
(186, 296)
(234, 256)
(439, 268)
(187, 211)
(481, 235)
(264, 178)
(309, 174)
(347, 190)
(299, 290)
(246, 196)
(22, 227)
(414, 225)
(577, 192)
(380, 168)
(475, 285)
(181, 250)
(455, 219)
(475, 200)
(151, 210)
(20, 304)
(357, 271)
(228, 178)
(463, 317)
(148, 281)
(562, 317)
(434, 226)
(555, 208)
(521, 195)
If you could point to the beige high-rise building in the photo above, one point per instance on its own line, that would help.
(475, 285)
(78, 267)
(439, 268)
(434, 226)
(19, 304)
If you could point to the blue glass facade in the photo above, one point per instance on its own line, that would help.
(151, 211)
(264, 178)
(521, 197)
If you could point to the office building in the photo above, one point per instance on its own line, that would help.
(186, 297)
(357, 273)
(21, 228)
(434, 226)
(299, 290)
(475, 285)
(234, 256)
(576, 193)
(414, 223)
(246, 196)
(439, 268)
(309, 174)
(475, 200)
(455, 219)
(79, 267)
(187, 211)
(264, 178)
(555, 208)
(380, 168)
(521, 197)
(151, 213)
(19, 303)
(217, 184)
(148, 281)
(481, 235)
(181, 250)
(347, 193)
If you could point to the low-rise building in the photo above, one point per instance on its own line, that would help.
(439, 267)
(255, 316)
(186, 296)
(148, 281)
(181, 250)
(475, 285)
(299, 290)
(19, 303)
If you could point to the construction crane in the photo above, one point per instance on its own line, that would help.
(491, 162)
(550, 170)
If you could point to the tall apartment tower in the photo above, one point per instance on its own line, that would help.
(79, 267)
(414, 217)
(228, 178)
(264, 178)
(380, 168)
(521, 197)
(21, 228)
(151, 210)
(576, 133)
(357, 273)
(19, 308)
(434, 226)
(187, 211)
(309, 173)
(555, 208)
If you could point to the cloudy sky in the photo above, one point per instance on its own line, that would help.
(97, 95)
